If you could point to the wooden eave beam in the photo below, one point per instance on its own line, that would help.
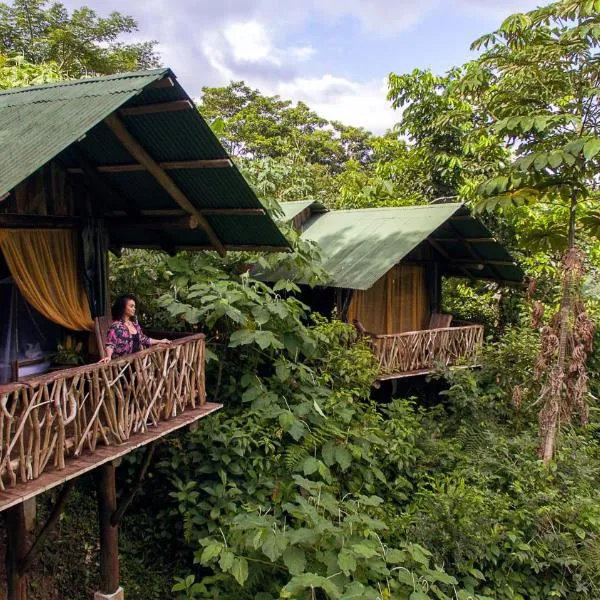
(476, 255)
(484, 261)
(157, 107)
(155, 222)
(488, 240)
(443, 252)
(137, 151)
(216, 163)
(169, 212)
(232, 248)
(103, 190)
(227, 212)
(14, 221)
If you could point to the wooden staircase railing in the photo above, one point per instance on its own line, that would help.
(50, 419)
(422, 350)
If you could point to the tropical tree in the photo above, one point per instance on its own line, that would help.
(536, 85)
(79, 43)
(253, 125)
(448, 151)
(17, 72)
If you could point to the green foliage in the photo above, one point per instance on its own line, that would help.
(79, 43)
(448, 153)
(17, 72)
(536, 80)
(252, 125)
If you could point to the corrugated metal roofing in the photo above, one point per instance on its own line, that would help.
(359, 246)
(293, 209)
(65, 120)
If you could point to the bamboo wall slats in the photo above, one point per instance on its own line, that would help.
(419, 350)
(47, 420)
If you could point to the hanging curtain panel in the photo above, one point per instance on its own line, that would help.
(398, 302)
(44, 266)
(94, 243)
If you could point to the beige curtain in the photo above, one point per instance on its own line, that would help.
(396, 303)
(44, 267)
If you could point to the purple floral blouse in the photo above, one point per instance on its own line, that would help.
(121, 341)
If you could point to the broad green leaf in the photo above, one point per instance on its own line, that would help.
(274, 546)
(343, 457)
(346, 561)
(541, 161)
(591, 148)
(226, 560)
(364, 550)
(240, 570)
(309, 581)
(294, 559)
(395, 556)
(211, 551)
(416, 595)
(555, 159)
(328, 453)
(310, 465)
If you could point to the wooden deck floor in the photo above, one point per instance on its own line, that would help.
(103, 454)
(421, 372)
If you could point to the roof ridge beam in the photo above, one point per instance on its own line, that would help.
(139, 153)
(156, 107)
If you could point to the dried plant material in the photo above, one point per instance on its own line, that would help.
(517, 396)
(537, 314)
(561, 364)
(531, 287)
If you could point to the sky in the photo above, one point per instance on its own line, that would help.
(335, 55)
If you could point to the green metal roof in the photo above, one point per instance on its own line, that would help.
(293, 209)
(359, 246)
(65, 122)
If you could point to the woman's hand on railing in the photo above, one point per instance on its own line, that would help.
(104, 360)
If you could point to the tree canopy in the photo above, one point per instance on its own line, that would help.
(78, 43)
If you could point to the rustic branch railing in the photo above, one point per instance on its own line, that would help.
(420, 350)
(49, 419)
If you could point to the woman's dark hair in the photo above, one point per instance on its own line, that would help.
(118, 308)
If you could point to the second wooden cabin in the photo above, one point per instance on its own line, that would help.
(386, 267)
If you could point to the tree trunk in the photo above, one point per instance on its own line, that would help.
(16, 549)
(109, 534)
(557, 373)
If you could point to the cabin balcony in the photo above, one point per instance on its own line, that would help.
(56, 426)
(420, 352)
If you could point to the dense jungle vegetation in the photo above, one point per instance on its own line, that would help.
(303, 486)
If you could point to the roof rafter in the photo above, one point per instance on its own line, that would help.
(216, 163)
(139, 153)
(474, 254)
(443, 252)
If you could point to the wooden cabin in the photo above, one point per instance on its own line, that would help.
(386, 267)
(89, 166)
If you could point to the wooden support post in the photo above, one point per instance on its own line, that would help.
(16, 549)
(109, 534)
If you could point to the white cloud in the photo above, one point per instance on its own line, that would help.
(248, 51)
(301, 53)
(378, 16)
(250, 42)
(340, 99)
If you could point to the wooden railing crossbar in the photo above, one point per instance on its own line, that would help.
(418, 350)
(49, 419)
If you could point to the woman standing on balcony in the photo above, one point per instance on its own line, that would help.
(125, 335)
